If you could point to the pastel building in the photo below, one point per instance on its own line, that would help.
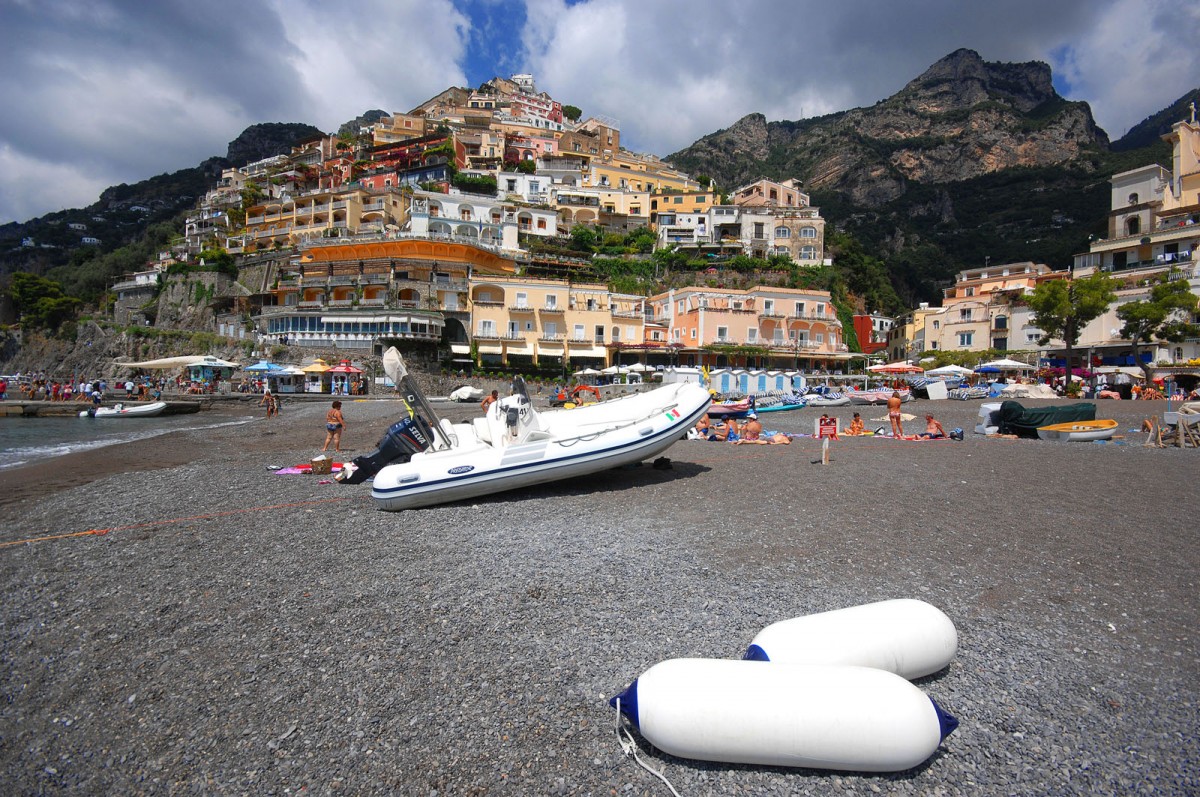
(759, 327)
(545, 322)
(1153, 234)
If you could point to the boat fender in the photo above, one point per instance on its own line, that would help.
(908, 637)
(795, 715)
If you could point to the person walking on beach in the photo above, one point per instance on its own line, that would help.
(268, 401)
(893, 406)
(489, 400)
(334, 424)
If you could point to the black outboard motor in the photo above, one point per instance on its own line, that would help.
(403, 438)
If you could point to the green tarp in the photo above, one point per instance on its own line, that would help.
(1024, 421)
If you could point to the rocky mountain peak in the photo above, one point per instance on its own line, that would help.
(963, 79)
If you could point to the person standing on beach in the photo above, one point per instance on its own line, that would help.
(893, 406)
(334, 424)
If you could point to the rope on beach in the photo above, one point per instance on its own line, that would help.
(172, 521)
(629, 746)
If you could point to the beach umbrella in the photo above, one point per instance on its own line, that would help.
(639, 367)
(900, 367)
(1008, 365)
(949, 370)
(587, 372)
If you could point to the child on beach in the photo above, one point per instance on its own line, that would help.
(268, 401)
(334, 424)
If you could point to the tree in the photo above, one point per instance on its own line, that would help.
(1164, 316)
(572, 113)
(40, 302)
(1062, 308)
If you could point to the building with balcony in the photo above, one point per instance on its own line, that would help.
(872, 329)
(549, 323)
(1153, 234)
(372, 292)
(759, 327)
(487, 220)
(771, 194)
(756, 231)
(984, 309)
(290, 221)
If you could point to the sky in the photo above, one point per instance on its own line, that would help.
(101, 92)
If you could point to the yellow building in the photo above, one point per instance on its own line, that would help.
(522, 320)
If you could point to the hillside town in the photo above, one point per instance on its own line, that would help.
(444, 225)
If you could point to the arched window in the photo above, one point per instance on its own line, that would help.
(808, 253)
(808, 232)
(1133, 198)
(783, 232)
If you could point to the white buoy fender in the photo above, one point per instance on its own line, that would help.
(790, 715)
(907, 637)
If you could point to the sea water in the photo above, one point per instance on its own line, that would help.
(27, 440)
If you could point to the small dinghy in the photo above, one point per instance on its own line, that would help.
(122, 411)
(424, 461)
(828, 400)
(1079, 431)
(466, 393)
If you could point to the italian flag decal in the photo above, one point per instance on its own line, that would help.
(673, 415)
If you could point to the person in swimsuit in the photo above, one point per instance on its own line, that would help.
(933, 428)
(893, 406)
(334, 424)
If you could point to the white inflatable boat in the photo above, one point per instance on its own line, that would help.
(424, 461)
(122, 411)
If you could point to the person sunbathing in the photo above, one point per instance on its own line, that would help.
(856, 426)
(933, 428)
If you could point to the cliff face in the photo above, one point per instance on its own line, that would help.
(961, 119)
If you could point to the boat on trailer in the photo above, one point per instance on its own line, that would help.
(423, 460)
(1079, 431)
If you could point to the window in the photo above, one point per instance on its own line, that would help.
(579, 332)
(522, 299)
(819, 308)
(722, 333)
(808, 253)
(758, 229)
(783, 232)
(1001, 322)
(751, 335)
(937, 324)
(964, 315)
(819, 337)
(541, 224)
(551, 301)
(599, 338)
(551, 328)
(487, 328)
(969, 292)
(616, 334)
(965, 338)
(769, 307)
(1133, 225)
(799, 308)
(1133, 198)
(512, 329)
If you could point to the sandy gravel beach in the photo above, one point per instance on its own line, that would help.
(236, 631)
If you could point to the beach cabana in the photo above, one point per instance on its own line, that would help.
(315, 380)
(342, 377)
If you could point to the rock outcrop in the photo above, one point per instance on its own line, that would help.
(961, 119)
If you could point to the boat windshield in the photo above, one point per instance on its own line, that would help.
(519, 389)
